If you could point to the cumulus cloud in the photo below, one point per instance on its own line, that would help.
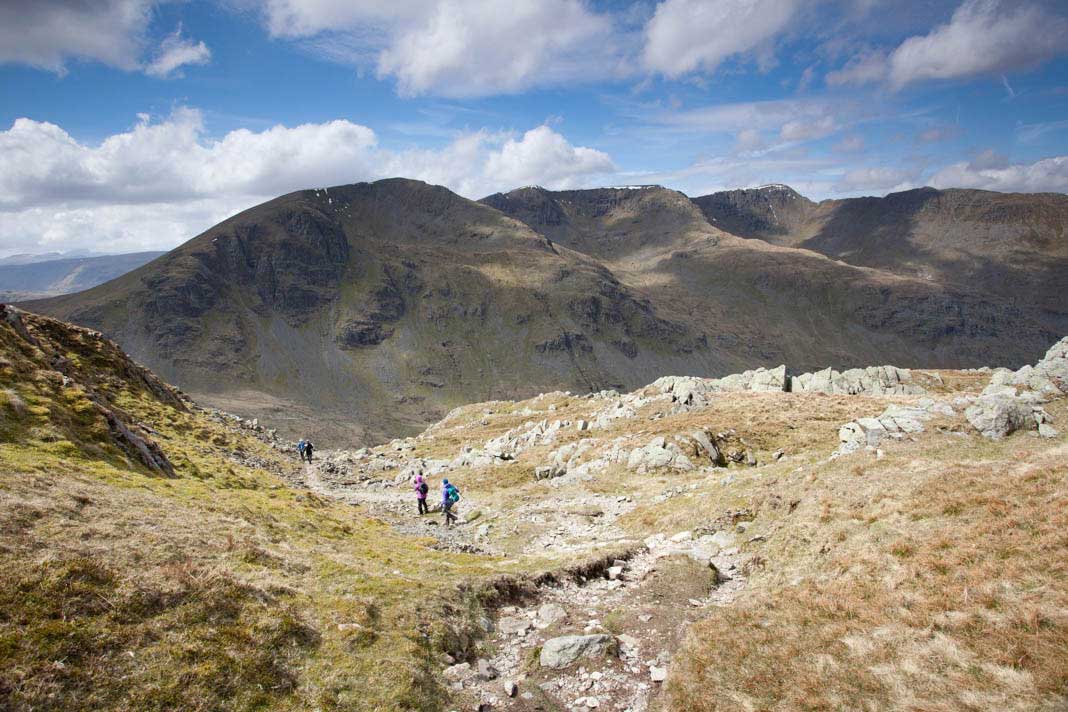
(48, 33)
(688, 35)
(545, 157)
(989, 171)
(160, 182)
(880, 179)
(982, 37)
(457, 48)
(175, 52)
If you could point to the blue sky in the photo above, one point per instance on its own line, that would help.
(132, 124)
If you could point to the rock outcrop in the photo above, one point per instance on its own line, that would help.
(874, 380)
(1011, 401)
(895, 422)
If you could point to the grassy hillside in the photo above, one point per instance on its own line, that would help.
(163, 558)
(218, 585)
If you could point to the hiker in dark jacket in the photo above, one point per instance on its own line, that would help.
(449, 496)
(308, 450)
(421, 490)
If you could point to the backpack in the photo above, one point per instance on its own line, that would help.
(424, 488)
(454, 494)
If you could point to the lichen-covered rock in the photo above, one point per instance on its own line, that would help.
(998, 416)
(561, 652)
(658, 454)
(874, 380)
(896, 421)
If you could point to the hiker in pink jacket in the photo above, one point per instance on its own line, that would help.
(421, 489)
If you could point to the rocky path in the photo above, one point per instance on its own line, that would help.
(398, 508)
(605, 642)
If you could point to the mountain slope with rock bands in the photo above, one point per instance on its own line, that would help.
(359, 312)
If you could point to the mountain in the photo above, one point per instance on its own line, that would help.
(773, 299)
(32, 276)
(1013, 246)
(766, 213)
(359, 312)
(365, 310)
(29, 258)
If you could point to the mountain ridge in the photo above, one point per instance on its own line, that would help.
(388, 303)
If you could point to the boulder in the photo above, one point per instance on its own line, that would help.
(998, 416)
(656, 455)
(560, 652)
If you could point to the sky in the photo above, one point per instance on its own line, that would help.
(136, 124)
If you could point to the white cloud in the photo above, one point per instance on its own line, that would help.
(457, 47)
(990, 173)
(862, 69)
(982, 37)
(159, 183)
(544, 157)
(48, 33)
(879, 179)
(989, 158)
(688, 35)
(175, 52)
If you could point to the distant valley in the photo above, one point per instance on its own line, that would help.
(30, 277)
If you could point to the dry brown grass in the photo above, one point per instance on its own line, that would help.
(942, 586)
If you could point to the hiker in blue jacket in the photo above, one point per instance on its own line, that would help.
(449, 496)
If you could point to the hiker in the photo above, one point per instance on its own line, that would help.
(449, 496)
(308, 447)
(421, 489)
(300, 448)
